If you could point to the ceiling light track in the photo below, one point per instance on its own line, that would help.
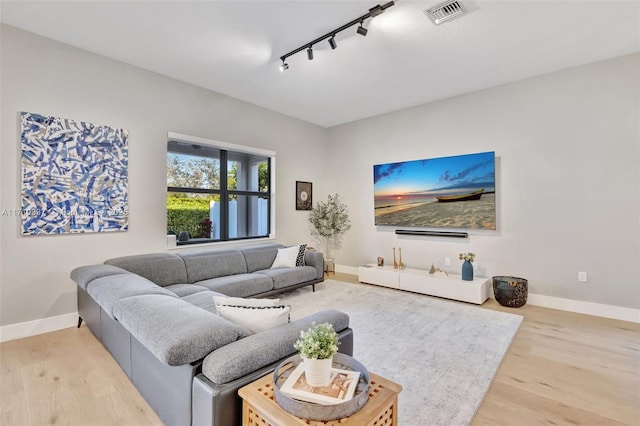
(373, 12)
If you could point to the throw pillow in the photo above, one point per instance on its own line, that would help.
(300, 259)
(239, 301)
(286, 257)
(256, 318)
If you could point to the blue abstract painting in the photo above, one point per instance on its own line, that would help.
(74, 176)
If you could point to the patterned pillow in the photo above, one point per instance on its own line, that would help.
(241, 301)
(300, 259)
(256, 318)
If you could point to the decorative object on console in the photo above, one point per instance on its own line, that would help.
(317, 347)
(448, 192)
(467, 271)
(467, 267)
(329, 221)
(304, 195)
(434, 270)
(395, 262)
(401, 264)
(380, 261)
(510, 291)
(74, 176)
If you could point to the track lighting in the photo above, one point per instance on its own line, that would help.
(332, 42)
(373, 12)
(362, 30)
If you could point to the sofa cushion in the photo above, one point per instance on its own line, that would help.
(175, 331)
(285, 277)
(259, 350)
(302, 248)
(204, 300)
(161, 268)
(241, 285)
(286, 257)
(203, 265)
(106, 291)
(83, 275)
(182, 290)
(260, 256)
(256, 318)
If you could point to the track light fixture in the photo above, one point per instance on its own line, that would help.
(362, 30)
(373, 12)
(332, 42)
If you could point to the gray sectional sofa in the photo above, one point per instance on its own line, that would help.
(156, 315)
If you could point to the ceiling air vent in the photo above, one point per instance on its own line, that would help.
(445, 11)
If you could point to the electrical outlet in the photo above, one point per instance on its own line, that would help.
(582, 277)
(447, 261)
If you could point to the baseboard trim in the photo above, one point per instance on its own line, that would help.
(569, 305)
(352, 270)
(588, 308)
(35, 327)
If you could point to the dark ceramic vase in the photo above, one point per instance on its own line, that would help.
(467, 271)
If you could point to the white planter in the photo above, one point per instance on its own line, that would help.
(317, 371)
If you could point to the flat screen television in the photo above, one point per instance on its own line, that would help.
(446, 192)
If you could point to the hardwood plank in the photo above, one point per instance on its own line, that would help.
(67, 377)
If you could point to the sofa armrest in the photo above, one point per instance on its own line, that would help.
(83, 275)
(315, 259)
(240, 358)
(219, 404)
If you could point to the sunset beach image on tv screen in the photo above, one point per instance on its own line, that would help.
(447, 192)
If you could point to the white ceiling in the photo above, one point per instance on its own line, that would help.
(233, 47)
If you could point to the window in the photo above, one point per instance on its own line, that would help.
(217, 191)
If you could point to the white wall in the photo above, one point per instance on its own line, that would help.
(42, 76)
(568, 183)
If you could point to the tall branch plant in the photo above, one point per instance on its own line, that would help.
(329, 221)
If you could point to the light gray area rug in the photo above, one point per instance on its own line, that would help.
(444, 354)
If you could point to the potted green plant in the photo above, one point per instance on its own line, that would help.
(329, 221)
(317, 347)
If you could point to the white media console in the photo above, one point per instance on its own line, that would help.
(420, 281)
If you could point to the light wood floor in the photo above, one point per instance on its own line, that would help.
(561, 369)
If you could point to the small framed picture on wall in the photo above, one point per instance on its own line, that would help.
(304, 197)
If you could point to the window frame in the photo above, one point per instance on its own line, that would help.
(224, 192)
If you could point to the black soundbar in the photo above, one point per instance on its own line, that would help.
(433, 233)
